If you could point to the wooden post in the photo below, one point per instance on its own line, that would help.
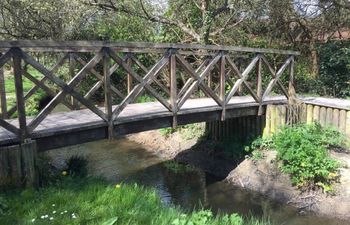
(259, 91)
(173, 88)
(291, 77)
(108, 95)
(309, 114)
(342, 121)
(74, 102)
(28, 161)
(222, 87)
(335, 118)
(3, 101)
(316, 114)
(17, 67)
(347, 129)
(129, 78)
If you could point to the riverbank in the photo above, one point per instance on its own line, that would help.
(262, 175)
(94, 201)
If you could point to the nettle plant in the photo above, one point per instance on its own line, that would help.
(303, 151)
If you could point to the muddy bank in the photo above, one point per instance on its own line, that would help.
(261, 175)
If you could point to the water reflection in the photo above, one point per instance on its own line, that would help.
(124, 161)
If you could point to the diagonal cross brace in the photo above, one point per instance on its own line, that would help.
(66, 88)
(198, 80)
(144, 83)
(242, 78)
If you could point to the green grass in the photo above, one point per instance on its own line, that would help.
(31, 104)
(92, 201)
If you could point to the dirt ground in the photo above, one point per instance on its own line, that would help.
(261, 175)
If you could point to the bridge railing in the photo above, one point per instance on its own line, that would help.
(170, 73)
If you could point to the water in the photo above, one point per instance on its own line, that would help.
(125, 161)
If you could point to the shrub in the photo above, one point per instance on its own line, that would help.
(77, 166)
(304, 154)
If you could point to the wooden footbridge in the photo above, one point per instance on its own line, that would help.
(99, 82)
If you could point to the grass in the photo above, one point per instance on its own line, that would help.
(93, 201)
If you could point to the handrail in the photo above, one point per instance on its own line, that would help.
(88, 46)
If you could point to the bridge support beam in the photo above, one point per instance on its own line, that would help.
(18, 165)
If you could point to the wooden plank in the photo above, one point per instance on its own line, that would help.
(29, 157)
(347, 131)
(316, 114)
(129, 76)
(223, 86)
(323, 116)
(17, 68)
(273, 125)
(329, 118)
(309, 114)
(173, 89)
(14, 157)
(108, 95)
(342, 121)
(72, 63)
(3, 102)
(76, 46)
(4, 167)
(267, 127)
(335, 116)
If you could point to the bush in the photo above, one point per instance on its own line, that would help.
(304, 154)
(77, 166)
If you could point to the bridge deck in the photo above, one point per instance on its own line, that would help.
(66, 128)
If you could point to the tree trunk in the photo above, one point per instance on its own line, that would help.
(314, 60)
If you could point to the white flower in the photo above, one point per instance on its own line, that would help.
(46, 216)
(33, 220)
(53, 205)
(42, 217)
(51, 218)
(61, 213)
(53, 212)
(65, 211)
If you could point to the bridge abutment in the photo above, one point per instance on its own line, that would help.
(18, 165)
(249, 127)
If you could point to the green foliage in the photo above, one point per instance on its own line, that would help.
(92, 201)
(304, 155)
(334, 60)
(77, 166)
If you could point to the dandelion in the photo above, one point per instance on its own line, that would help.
(117, 186)
(64, 173)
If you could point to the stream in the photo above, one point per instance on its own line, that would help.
(122, 160)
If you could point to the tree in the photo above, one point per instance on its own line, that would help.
(196, 21)
(40, 19)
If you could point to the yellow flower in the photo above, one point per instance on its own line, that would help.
(117, 186)
(64, 173)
